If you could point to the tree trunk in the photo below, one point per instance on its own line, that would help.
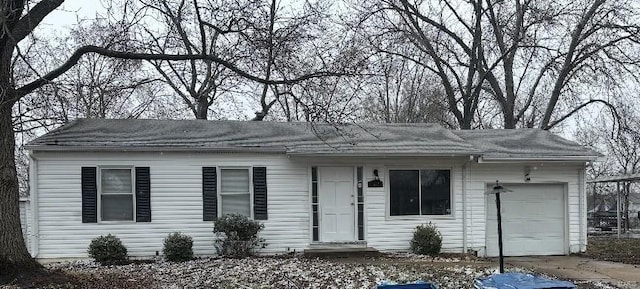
(13, 250)
(202, 108)
(466, 123)
(509, 119)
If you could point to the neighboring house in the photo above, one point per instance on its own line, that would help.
(602, 211)
(369, 184)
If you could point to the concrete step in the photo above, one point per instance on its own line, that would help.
(341, 252)
(338, 245)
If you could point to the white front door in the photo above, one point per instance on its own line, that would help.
(336, 192)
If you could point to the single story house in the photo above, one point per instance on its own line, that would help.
(310, 184)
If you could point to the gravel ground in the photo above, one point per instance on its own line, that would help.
(293, 272)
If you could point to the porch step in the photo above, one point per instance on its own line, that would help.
(338, 245)
(341, 252)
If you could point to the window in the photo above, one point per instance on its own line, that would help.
(420, 192)
(235, 192)
(116, 194)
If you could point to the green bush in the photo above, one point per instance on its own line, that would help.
(108, 250)
(178, 247)
(427, 240)
(237, 236)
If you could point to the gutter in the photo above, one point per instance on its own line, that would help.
(582, 208)
(378, 155)
(33, 193)
(484, 159)
(115, 148)
(465, 174)
(281, 150)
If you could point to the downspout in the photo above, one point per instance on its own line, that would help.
(465, 168)
(582, 208)
(33, 193)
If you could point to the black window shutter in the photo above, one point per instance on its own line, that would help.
(260, 193)
(209, 194)
(143, 195)
(89, 195)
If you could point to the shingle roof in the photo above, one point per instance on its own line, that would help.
(301, 138)
(523, 143)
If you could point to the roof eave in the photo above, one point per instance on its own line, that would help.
(50, 148)
(509, 159)
(377, 154)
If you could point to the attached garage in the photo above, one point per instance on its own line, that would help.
(533, 220)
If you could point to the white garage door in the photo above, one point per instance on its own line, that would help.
(533, 220)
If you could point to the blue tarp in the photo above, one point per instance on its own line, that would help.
(520, 281)
(415, 285)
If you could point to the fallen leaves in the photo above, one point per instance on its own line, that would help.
(616, 250)
(296, 272)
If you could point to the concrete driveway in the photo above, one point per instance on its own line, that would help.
(580, 268)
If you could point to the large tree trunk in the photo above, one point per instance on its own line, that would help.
(202, 108)
(13, 251)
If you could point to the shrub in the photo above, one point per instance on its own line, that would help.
(427, 240)
(237, 236)
(178, 247)
(108, 250)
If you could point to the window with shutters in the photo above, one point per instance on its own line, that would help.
(235, 191)
(116, 191)
(419, 192)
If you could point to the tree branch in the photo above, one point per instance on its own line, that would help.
(27, 23)
(576, 39)
(167, 57)
(609, 105)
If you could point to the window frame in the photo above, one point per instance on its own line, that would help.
(219, 187)
(133, 193)
(387, 179)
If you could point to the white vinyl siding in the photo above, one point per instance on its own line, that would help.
(176, 202)
(387, 232)
(391, 233)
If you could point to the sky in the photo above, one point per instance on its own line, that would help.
(70, 12)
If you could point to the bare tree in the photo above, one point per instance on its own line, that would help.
(624, 150)
(532, 58)
(17, 23)
(404, 92)
(285, 42)
(195, 28)
(261, 37)
(619, 139)
(97, 87)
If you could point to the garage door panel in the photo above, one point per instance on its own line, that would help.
(529, 246)
(537, 236)
(533, 217)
